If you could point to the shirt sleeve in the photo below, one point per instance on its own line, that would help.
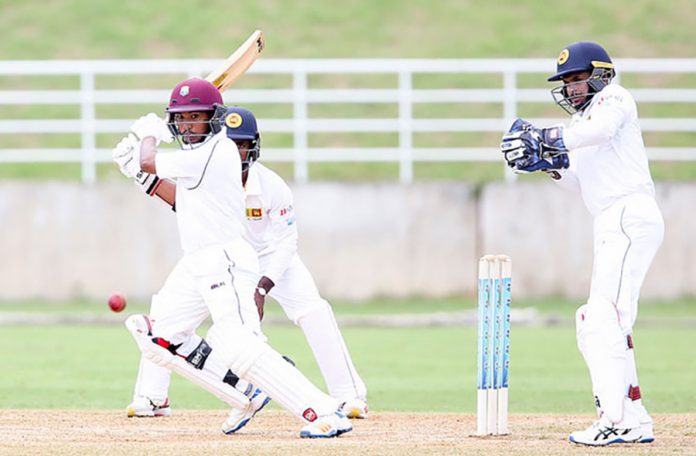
(179, 164)
(569, 180)
(283, 232)
(607, 115)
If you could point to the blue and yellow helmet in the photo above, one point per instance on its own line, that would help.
(579, 57)
(240, 125)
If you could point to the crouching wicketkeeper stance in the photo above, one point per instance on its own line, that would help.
(601, 155)
(218, 272)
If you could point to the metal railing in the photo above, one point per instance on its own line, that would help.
(300, 95)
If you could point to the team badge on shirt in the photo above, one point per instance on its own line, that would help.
(254, 213)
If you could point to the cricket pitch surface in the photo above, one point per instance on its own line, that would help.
(186, 432)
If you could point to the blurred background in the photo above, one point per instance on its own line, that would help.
(385, 118)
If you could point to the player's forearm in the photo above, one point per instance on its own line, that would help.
(148, 150)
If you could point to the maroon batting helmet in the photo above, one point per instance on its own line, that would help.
(194, 94)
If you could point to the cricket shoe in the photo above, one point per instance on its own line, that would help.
(144, 407)
(238, 418)
(602, 433)
(646, 429)
(327, 426)
(354, 408)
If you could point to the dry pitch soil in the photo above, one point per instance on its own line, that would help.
(70, 432)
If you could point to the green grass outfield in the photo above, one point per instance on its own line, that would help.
(132, 29)
(360, 28)
(406, 369)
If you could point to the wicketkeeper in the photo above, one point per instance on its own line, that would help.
(601, 155)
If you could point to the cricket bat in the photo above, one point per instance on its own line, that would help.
(238, 63)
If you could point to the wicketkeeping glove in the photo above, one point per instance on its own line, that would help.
(152, 125)
(527, 149)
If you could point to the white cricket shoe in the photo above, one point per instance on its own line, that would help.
(144, 407)
(238, 418)
(602, 432)
(646, 429)
(354, 408)
(327, 426)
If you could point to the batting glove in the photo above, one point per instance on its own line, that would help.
(152, 125)
(126, 155)
(147, 182)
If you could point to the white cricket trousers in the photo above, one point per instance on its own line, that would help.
(626, 238)
(217, 281)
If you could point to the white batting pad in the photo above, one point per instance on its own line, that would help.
(255, 361)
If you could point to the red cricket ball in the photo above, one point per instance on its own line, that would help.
(117, 302)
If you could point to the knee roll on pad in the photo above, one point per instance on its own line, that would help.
(600, 326)
(238, 346)
(600, 314)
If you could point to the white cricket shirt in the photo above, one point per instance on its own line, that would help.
(209, 193)
(607, 155)
(270, 220)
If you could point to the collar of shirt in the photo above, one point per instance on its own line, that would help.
(253, 183)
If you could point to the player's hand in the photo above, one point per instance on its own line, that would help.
(547, 165)
(262, 288)
(552, 139)
(126, 155)
(152, 125)
(528, 149)
(553, 174)
(521, 144)
(260, 301)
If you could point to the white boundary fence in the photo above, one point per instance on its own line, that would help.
(301, 95)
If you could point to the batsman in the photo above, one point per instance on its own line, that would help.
(601, 155)
(216, 276)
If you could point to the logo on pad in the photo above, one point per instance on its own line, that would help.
(309, 415)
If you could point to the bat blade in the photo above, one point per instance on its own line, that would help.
(238, 63)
